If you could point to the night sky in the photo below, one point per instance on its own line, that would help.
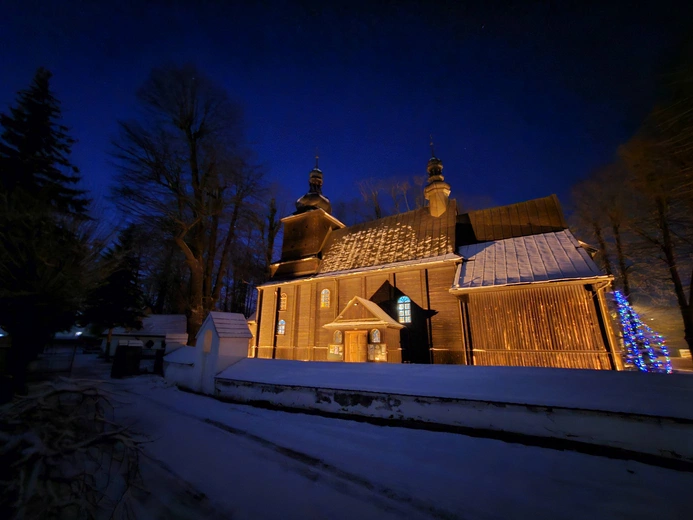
(522, 98)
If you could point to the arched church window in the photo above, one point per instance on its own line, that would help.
(282, 301)
(325, 299)
(375, 336)
(404, 309)
(281, 327)
(337, 337)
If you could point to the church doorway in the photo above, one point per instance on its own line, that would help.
(356, 346)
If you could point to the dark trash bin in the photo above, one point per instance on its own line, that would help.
(126, 361)
(159, 362)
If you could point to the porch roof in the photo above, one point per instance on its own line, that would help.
(380, 317)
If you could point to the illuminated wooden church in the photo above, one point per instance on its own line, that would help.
(503, 286)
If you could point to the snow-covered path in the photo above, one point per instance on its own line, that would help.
(212, 459)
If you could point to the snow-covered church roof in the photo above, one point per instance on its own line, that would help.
(545, 257)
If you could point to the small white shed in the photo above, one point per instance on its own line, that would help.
(221, 341)
(158, 331)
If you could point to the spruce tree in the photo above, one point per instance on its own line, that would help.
(118, 300)
(43, 255)
(35, 150)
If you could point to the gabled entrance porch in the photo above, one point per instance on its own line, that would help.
(363, 332)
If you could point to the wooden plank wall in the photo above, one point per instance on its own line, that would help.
(446, 324)
(267, 323)
(322, 337)
(285, 343)
(537, 326)
(391, 338)
(305, 321)
(307, 339)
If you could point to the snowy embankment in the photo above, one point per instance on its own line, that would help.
(648, 414)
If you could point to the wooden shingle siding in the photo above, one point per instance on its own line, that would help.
(524, 218)
(541, 326)
(407, 236)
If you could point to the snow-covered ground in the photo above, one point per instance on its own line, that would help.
(209, 459)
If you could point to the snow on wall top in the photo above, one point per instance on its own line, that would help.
(157, 325)
(184, 355)
(529, 259)
(397, 238)
(230, 324)
(629, 392)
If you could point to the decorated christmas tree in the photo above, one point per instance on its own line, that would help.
(645, 350)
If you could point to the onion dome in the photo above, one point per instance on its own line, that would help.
(314, 198)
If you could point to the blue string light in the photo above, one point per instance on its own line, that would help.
(645, 348)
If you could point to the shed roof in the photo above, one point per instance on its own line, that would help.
(398, 238)
(229, 324)
(157, 325)
(514, 220)
(546, 257)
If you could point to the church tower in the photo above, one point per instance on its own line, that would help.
(437, 191)
(305, 231)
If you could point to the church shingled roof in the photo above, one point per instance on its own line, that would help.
(527, 218)
(407, 236)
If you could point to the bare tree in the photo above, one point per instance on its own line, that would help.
(182, 162)
(664, 217)
(370, 190)
(602, 203)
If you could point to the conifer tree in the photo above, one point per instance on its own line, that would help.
(117, 301)
(43, 255)
(35, 150)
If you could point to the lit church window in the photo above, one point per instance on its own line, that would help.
(338, 337)
(281, 327)
(375, 336)
(404, 309)
(282, 301)
(325, 299)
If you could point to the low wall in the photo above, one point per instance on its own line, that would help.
(179, 374)
(665, 438)
(179, 367)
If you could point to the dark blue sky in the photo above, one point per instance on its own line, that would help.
(523, 98)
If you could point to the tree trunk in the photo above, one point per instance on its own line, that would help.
(108, 343)
(164, 282)
(667, 247)
(226, 251)
(208, 287)
(621, 259)
(26, 346)
(195, 311)
(602, 247)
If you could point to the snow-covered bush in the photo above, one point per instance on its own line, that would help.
(62, 455)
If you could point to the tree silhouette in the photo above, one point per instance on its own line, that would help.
(44, 256)
(117, 301)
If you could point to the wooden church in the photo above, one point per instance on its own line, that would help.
(503, 286)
